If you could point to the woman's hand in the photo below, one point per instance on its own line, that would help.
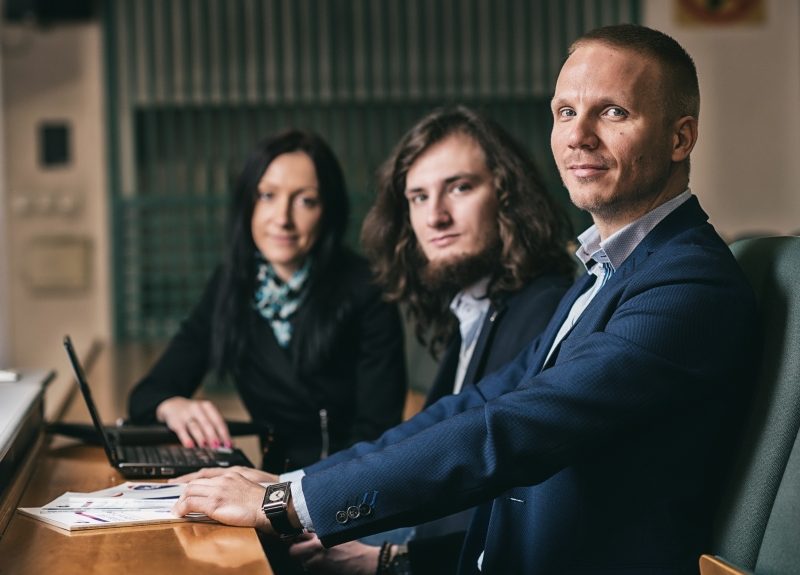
(345, 559)
(195, 422)
(254, 475)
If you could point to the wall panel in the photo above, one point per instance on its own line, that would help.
(193, 84)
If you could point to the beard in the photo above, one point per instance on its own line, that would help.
(451, 275)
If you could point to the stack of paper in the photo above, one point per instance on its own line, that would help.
(131, 503)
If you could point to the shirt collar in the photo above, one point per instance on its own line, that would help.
(616, 248)
(472, 293)
(471, 302)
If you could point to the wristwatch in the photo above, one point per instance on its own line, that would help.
(275, 507)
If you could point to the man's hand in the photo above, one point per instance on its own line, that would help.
(348, 558)
(229, 498)
(254, 475)
(195, 422)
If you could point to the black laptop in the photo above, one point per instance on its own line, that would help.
(150, 461)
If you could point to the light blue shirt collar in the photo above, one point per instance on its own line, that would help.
(616, 248)
(470, 306)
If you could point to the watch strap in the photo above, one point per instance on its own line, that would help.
(277, 512)
(282, 526)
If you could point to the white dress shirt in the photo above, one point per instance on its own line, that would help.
(470, 306)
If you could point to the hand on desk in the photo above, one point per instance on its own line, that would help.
(194, 421)
(345, 559)
(229, 498)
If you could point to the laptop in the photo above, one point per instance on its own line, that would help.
(150, 461)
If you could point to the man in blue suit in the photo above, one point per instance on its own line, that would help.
(600, 446)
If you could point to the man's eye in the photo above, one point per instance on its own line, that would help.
(616, 112)
(566, 112)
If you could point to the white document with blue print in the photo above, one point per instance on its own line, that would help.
(130, 503)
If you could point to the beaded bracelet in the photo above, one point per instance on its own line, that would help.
(401, 562)
(384, 556)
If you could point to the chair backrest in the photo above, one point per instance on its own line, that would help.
(758, 523)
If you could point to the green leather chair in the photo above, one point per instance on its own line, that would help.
(757, 527)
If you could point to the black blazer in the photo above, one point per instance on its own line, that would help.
(361, 383)
(512, 323)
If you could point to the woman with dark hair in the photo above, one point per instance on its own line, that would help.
(291, 315)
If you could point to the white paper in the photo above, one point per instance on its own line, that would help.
(131, 503)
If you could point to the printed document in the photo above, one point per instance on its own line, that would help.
(130, 503)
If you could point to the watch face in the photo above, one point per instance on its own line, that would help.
(276, 495)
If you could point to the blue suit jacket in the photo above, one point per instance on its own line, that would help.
(604, 460)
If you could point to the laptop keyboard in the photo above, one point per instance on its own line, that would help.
(169, 455)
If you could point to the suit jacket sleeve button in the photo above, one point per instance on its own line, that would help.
(353, 512)
(341, 517)
(365, 509)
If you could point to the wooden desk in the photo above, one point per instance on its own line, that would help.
(30, 547)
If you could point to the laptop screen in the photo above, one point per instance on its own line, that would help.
(83, 384)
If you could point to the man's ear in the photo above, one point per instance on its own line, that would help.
(684, 137)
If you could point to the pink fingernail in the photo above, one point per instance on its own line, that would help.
(215, 444)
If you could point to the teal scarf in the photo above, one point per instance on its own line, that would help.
(277, 301)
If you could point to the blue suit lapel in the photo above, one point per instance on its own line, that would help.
(687, 215)
(536, 363)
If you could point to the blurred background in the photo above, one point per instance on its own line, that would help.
(124, 121)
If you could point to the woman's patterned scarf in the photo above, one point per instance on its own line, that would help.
(276, 300)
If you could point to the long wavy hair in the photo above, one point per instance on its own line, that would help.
(233, 307)
(533, 230)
